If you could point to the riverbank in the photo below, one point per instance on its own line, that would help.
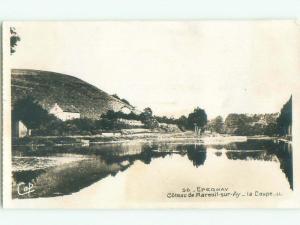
(286, 139)
(145, 136)
(117, 138)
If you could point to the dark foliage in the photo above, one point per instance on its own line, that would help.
(261, 124)
(30, 113)
(112, 115)
(284, 120)
(14, 39)
(148, 119)
(182, 122)
(165, 119)
(197, 117)
(216, 125)
(247, 125)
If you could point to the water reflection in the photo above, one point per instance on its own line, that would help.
(196, 154)
(264, 151)
(102, 160)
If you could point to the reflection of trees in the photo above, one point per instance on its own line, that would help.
(250, 155)
(147, 153)
(27, 176)
(197, 154)
(247, 145)
(218, 147)
(109, 159)
(218, 154)
(284, 153)
(106, 159)
(266, 150)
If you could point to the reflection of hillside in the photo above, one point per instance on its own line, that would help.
(72, 177)
(65, 179)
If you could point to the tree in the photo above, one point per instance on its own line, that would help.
(216, 125)
(132, 116)
(125, 101)
(110, 115)
(146, 114)
(82, 124)
(284, 120)
(197, 117)
(116, 96)
(151, 123)
(148, 111)
(105, 124)
(30, 113)
(14, 39)
(148, 119)
(165, 119)
(182, 122)
(271, 129)
(247, 125)
(237, 124)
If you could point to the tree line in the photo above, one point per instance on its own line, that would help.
(273, 124)
(35, 117)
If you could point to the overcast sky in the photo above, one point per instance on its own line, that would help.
(172, 67)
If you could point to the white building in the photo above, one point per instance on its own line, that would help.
(65, 113)
(20, 130)
(134, 123)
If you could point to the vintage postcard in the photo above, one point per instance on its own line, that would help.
(151, 114)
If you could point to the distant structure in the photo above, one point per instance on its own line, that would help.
(133, 123)
(20, 130)
(64, 113)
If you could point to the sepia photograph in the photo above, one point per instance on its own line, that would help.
(140, 114)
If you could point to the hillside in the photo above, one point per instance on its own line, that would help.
(49, 88)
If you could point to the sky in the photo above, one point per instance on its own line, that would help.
(221, 66)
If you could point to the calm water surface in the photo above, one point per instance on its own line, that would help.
(153, 167)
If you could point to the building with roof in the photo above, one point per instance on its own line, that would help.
(64, 113)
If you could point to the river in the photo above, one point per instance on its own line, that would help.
(152, 171)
